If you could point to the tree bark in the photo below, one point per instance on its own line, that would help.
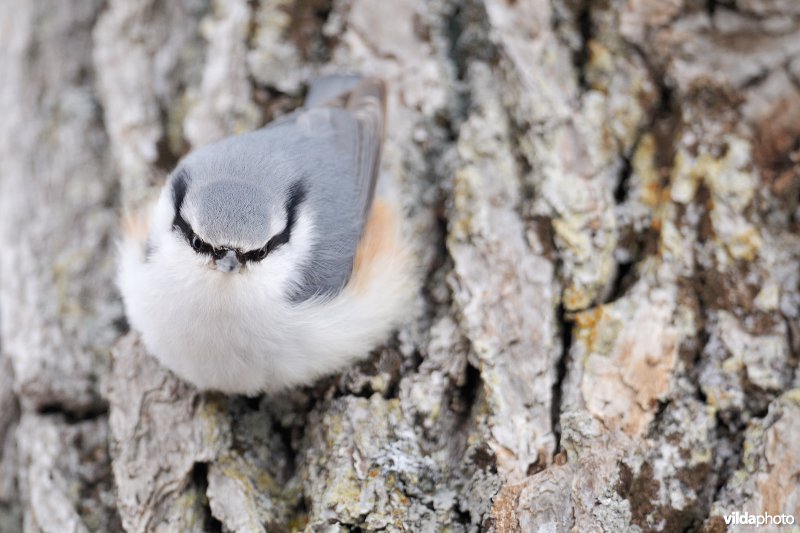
(603, 196)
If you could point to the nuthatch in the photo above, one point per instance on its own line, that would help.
(265, 263)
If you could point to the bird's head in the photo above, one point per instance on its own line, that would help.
(232, 227)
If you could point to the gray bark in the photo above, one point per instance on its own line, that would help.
(603, 197)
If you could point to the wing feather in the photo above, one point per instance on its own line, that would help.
(348, 127)
(365, 100)
(368, 103)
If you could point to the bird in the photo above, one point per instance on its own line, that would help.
(267, 262)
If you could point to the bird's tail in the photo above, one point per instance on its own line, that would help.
(350, 91)
(328, 89)
(368, 101)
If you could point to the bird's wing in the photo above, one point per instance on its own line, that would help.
(358, 132)
(340, 135)
(367, 102)
(327, 88)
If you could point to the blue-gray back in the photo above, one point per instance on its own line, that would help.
(331, 147)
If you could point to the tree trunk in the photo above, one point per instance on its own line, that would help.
(603, 196)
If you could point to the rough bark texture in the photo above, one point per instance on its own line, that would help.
(604, 200)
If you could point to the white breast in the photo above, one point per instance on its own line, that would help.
(237, 333)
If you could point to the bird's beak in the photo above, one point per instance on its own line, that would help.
(229, 263)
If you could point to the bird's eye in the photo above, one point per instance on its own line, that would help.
(197, 244)
(261, 253)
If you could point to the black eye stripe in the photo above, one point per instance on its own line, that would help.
(179, 186)
(297, 194)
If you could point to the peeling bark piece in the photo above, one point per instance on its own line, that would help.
(65, 475)
(739, 368)
(249, 488)
(625, 353)
(540, 503)
(580, 495)
(363, 465)
(669, 483)
(160, 429)
(766, 480)
(610, 482)
(426, 395)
